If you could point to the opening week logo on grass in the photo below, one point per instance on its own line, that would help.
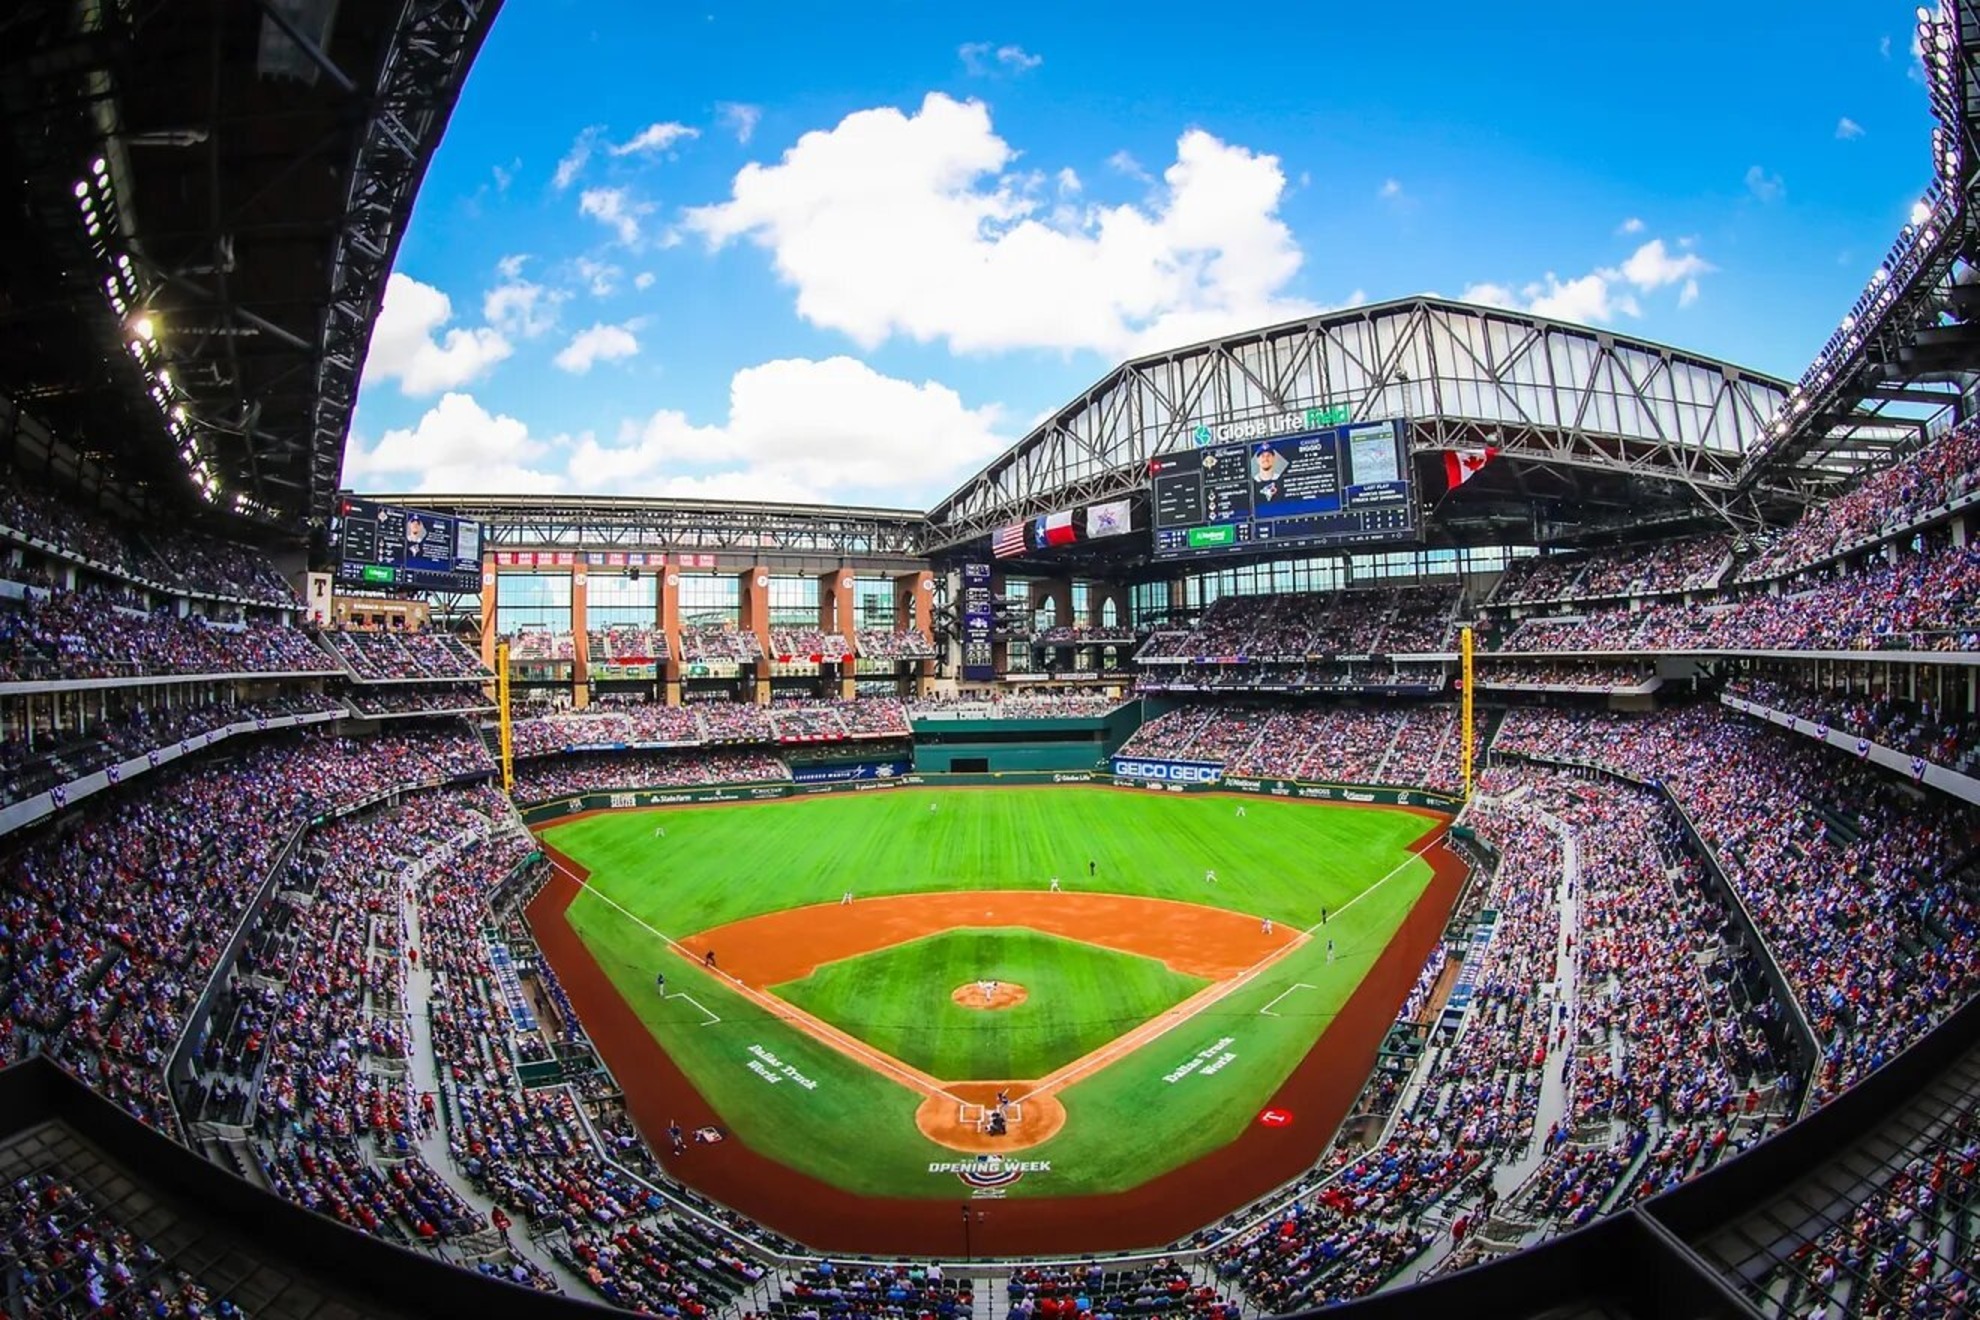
(989, 1173)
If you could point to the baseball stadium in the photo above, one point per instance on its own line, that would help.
(1415, 804)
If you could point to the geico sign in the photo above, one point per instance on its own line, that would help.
(1163, 770)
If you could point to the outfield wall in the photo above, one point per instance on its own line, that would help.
(542, 813)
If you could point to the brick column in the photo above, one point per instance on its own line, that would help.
(580, 635)
(489, 578)
(836, 615)
(914, 608)
(667, 616)
(755, 596)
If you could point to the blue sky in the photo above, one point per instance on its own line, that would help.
(847, 253)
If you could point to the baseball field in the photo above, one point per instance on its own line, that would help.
(849, 983)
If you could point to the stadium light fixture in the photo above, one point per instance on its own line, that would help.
(82, 188)
(1920, 212)
(143, 327)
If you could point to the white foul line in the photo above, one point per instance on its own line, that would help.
(1296, 985)
(713, 1016)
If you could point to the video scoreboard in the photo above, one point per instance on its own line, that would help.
(1334, 486)
(382, 545)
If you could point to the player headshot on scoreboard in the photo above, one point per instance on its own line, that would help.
(415, 533)
(1267, 465)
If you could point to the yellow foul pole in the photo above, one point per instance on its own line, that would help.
(502, 716)
(1464, 696)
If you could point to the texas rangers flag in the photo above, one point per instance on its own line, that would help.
(1461, 465)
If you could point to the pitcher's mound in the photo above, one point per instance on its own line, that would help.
(990, 994)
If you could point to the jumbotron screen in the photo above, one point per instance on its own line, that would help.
(1342, 485)
(382, 545)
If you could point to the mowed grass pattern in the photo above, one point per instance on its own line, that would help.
(1126, 1122)
(901, 1000)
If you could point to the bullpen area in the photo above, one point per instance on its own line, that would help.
(1117, 1014)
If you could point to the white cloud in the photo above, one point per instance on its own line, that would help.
(600, 277)
(1391, 188)
(1068, 181)
(1652, 266)
(653, 139)
(511, 266)
(643, 281)
(909, 224)
(981, 57)
(1848, 130)
(1633, 225)
(616, 209)
(601, 343)
(1123, 162)
(1603, 294)
(1884, 47)
(521, 307)
(1767, 187)
(457, 447)
(506, 174)
(739, 118)
(403, 347)
(800, 429)
(574, 160)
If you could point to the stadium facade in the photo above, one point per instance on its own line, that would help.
(1696, 1037)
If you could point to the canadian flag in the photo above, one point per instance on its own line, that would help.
(1461, 465)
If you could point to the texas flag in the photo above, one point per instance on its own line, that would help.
(1461, 465)
(1057, 529)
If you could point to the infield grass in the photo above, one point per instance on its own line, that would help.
(901, 1000)
(1126, 1122)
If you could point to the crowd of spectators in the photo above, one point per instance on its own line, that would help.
(1296, 627)
(114, 927)
(171, 560)
(65, 1254)
(735, 722)
(1904, 1246)
(426, 699)
(798, 645)
(1476, 1108)
(628, 723)
(1845, 873)
(1917, 728)
(381, 655)
(1594, 676)
(94, 634)
(893, 644)
(1886, 501)
(702, 643)
(555, 777)
(1928, 600)
(33, 762)
(541, 645)
(1051, 704)
(1692, 563)
(1414, 747)
(1317, 676)
(625, 644)
(1098, 634)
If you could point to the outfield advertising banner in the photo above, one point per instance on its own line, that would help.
(1167, 772)
(839, 774)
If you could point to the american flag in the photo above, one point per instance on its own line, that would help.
(1007, 540)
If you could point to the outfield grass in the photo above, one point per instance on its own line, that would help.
(900, 1000)
(1126, 1122)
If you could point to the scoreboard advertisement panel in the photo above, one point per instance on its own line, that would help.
(382, 545)
(1340, 485)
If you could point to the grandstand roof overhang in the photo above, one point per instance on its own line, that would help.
(205, 203)
(1907, 352)
(1593, 427)
(820, 532)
